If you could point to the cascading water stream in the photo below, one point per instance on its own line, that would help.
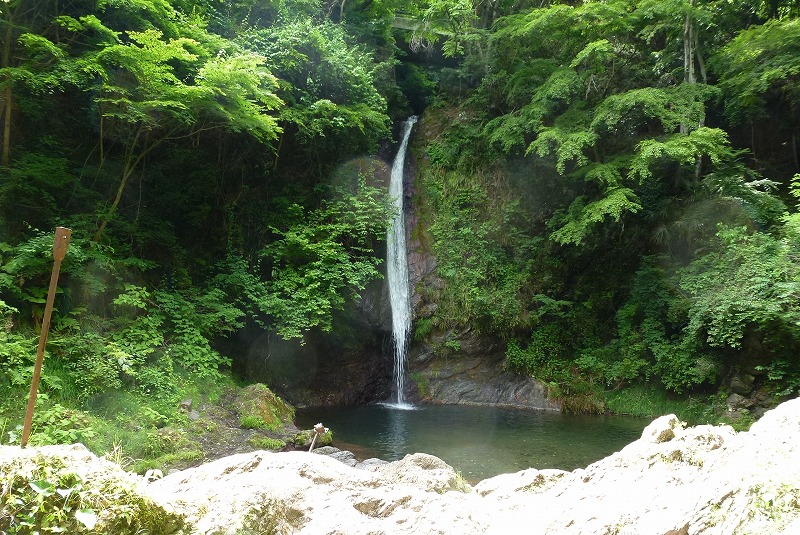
(397, 268)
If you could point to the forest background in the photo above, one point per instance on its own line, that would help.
(610, 189)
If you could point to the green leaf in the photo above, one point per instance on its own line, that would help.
(43, 487)
(87, 517)
(759, 64)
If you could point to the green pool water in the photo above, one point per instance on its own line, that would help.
(479, 442)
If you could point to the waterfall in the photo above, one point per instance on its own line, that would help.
(397, 267)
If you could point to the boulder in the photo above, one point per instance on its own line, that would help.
(708, 480)
(259, 407)
(346, 457)
(301, 492)
(424, 471)
(662, 429)
(742, 384)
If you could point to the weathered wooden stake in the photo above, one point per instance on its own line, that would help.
(60, 246)
(319, 429)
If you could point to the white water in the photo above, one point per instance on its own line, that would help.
(397, 269)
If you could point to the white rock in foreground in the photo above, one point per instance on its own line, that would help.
(701, 480)
(299, 492)
(704, 479)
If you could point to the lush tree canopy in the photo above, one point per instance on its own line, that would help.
(653, 141)
(607, 185)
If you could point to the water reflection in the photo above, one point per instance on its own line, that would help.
(479, 441)
(395, 435)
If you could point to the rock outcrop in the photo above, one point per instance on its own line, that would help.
(300, 492)
(474, 376)
(707, 480)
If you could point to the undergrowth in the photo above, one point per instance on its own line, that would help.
(650, 401)
(42, 495)
(149, 427)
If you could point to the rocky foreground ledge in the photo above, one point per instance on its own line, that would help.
(705, 479)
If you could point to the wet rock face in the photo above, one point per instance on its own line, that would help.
(421, 264)
(347, 377)
(346, 367)
(372, 310)
(472, 374)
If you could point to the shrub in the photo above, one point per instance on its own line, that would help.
(42, 494)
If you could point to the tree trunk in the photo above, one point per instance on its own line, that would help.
(126, 174)
(6, 62)
(131, 163)
(6, 157)
(690, 56)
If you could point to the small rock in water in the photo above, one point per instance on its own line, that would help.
(326, 450)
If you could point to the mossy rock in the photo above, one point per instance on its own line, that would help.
(260, 408)
(303, 439)
(266, 443)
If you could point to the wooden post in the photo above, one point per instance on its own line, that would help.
(319, 429)
(60, 246)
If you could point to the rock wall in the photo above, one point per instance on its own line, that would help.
(347, 367)
(473, 375)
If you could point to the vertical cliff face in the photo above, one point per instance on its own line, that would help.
(354, 363)
(454, 365)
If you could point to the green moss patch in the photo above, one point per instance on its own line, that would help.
(260, 408)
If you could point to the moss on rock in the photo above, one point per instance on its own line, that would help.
(266, 443)
(260, 408)
(303, 439)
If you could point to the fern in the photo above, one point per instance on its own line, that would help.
(582, 217)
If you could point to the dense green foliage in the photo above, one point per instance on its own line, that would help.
(214, 162)
(609, 186)
(44, 495)
(608, 191)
